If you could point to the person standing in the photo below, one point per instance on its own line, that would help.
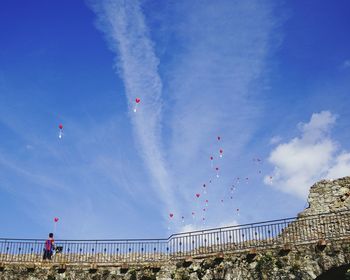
(49, 247)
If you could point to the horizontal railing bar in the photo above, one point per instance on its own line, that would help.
(268, 234)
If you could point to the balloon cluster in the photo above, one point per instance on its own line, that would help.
(215, 164)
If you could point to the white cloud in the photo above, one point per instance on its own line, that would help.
(124, 25)
(318, 127)
(341, 166)
(308, 158)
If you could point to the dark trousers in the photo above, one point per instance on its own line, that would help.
(47, 254)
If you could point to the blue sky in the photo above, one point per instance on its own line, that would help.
(271, 79)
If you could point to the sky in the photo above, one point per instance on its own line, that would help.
(271, 79)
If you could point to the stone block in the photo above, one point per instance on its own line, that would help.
(286, 248)
(155, 267)
(219, 256)
(124, 267)
(187, 262)
(252, 252)
(93, 268)
(62, 268)
(321, 244)
(31, 267)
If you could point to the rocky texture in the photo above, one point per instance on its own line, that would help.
(302, 261)
(328, 196)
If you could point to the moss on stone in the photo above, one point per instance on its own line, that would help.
(265, 266)
(296, 269)
(280, 264)
(182, 274)
(132, 274)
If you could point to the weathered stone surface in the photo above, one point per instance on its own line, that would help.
(304, 263)
(328, 196)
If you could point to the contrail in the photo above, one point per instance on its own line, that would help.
(128, 36)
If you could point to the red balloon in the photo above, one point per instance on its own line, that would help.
(171, 215)
(221, 151)
(206, 200)
(198, 195)
(60, 126)
(56, 219)
(137, 100)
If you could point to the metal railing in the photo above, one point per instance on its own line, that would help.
(276, 233)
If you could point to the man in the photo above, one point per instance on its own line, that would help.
(49, 247)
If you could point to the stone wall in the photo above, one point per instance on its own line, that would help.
(328, 196)
(305, 262)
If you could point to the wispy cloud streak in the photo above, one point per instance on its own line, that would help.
(124, 25)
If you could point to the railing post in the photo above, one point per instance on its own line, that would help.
(96, 252)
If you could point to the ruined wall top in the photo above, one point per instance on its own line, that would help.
(328, 196)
